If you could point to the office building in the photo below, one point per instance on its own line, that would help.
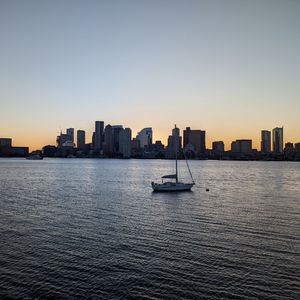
(157, 147)
(64, 139)
(289, 148)
(175, 140)
(145, 137)
(125, 142)
(93, 140)
(265, 146)
(277, 140)
(5, 146)
(174, 143)
(196, 138)
(108, 145)
(99, 135)
(19, 151)
(116, 132)
(49, 151)
(5, 142)
(241, 146)
(218, 147)
(7, 150)
(70, 133)
(80, 139)
(135, 147)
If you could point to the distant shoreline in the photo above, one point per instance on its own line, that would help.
(181, 159)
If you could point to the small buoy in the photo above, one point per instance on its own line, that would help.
(207, 190)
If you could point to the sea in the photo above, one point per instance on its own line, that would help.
(94, 229)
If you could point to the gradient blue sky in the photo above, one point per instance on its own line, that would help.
(231, 68)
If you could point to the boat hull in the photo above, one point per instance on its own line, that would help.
(171, 187)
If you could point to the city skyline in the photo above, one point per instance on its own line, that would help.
(231, 68)
(88, 136)
(271, 140)
(115, 141)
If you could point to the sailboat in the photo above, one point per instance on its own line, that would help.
(175, 185)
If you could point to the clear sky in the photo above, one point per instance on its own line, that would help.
(228, 67)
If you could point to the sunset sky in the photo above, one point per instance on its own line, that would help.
(231, 68)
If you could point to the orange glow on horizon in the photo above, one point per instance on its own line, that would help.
(38, 141)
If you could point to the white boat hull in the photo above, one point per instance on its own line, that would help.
(172, 186)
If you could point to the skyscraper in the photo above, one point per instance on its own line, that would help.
(174, 143)
(196, 138)
(66, 139)
(145, 137)
(241, 146)
(277, 139)
(99, 128)
(125, 142)
(108, 146)
(70, 133)
(116, 132)
(80, 139)
(265, 141)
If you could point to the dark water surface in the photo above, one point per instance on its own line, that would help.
(74, 228)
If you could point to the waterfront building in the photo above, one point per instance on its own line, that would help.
(70, 133)
(116, 132)
(5, 142)
(93, 140)
(135, 148)
(195, 138)
(19, 151)
(289, 148)
(265, 146)
(234, 147)
(108, 146)
(63, 139)
(157, 147)
(6, 149)
(99, 135)
(218, 147)
(174, 143)
(277, 139)
(145, 137)
(49, 151)
(297, 147)
(241, 146)
(125, 142)
(175, 140)
(80, 139)
(5, 146)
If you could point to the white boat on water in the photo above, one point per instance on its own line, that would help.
(172, 186)
(175, 185)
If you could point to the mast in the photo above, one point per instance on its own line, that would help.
(176, 142)
(188, 168)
